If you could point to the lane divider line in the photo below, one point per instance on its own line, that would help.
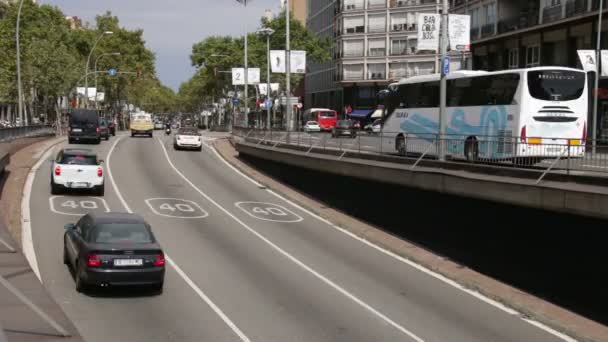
(27, 239)
(179, 271)
(293, 258)
(411, 263)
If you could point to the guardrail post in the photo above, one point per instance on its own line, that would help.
(568, 161)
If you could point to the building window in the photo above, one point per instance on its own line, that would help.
(377, 47)
(532, 56)
(552, 3)
(412, 45)
(490, 10)
(423, 68)
(376, 71)
(398, 46)
(514, 58)
(354, 24)
(397, 71)
(353, 4)
(398, 22)
(377, 23)
(352, 71)
(353, 48)
(376, 3)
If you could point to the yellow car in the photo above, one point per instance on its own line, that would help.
(142, 124)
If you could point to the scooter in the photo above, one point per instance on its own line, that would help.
(168, 131)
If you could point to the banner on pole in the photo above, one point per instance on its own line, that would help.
(587, 58)
(428, 31)
(238, 76)
(604, 64)
(277, 61)
(297, 61)
(459, 28)
(274, 87)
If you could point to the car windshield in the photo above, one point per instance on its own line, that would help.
(312, 123)
(77, 159)
(187, 131)
(111, 233)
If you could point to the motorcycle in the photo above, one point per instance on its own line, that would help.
(168, 131)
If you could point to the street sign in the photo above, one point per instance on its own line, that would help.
(112, 72)
(446, 65)
(268, 104)
(235, 102)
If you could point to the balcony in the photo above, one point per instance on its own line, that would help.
(376, 76)
(356, 29)
(372, 4)
(488, 30)
(576, 7)
(596, 5)
(400, 3)
(353, 53)
(551, 14)
(398, 27)
(377, 52)
(353, 6)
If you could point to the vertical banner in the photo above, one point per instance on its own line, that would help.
(253, 76)
(459, 28)
(428, 31)
(277, 61)
(238, 76)
(604, 64)
(297, 62)
(587, 58)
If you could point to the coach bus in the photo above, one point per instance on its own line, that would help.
(520, 114)
(326, 118)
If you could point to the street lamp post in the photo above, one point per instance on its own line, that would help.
(19, 88)
(267, 31)
(86, 73)
(597, 77)
(288, 70)
(244, 2)
(97, 60)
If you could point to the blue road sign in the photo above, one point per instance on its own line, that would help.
(446, 65)
(235, 102)
(269, 104)
(112, 72)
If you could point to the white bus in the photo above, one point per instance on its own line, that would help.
(504, 115)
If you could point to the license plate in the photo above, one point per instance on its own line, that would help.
(79, 185)
(128, 262)
(77, 130)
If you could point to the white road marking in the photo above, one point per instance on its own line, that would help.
(78, 199)
(293, 258)
(179, 271)
(400, 258)
(270, 210)
(192, 204)
(27, 240)
(595, 166)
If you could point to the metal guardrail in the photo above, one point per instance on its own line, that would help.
(563, 156)
(7, 134)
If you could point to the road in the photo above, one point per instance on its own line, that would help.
(248, 265)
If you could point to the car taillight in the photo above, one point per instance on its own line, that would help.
(584, 133)
(97, 129)
(522, 135)
(159, 259)
(57, 170)
(93, 260)
(99, 172)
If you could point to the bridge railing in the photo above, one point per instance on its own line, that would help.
(11, 133)
(566, 156)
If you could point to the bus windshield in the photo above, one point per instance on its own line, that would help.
(556, 85)
(327, 114)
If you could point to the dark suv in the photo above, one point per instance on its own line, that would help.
(104, 129)
(344, 127)
(84, 126)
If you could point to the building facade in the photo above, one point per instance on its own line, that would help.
(508, 34)
(374, 44)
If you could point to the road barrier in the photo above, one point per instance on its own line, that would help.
(11, 133)
(561, 156)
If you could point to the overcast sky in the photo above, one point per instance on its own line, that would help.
(172, 26)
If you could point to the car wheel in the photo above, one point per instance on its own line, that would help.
(158, 288)
(132, 134)
(400, 144)
(101, 190)
(200, 148)
(55, 189)
(98, 141)
(471, 150)
(81, 286)
(70, 141)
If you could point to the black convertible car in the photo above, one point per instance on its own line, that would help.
(113, 249)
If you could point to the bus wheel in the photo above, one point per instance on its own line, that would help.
(471, 150)
(400, 145)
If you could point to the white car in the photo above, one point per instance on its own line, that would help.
(159, 125)
(374, 127)
(312, 126)
(77, 169)
(187, 138)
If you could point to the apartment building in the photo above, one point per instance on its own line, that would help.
(507, 34)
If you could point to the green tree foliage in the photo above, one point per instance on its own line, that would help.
(216, 54)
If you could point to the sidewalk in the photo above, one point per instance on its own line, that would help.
(18, 320)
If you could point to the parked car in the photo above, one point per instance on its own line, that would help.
(84, 126)
(77, 169)
(113, 249)
(374, 127)
(104, 130)
(344, 127)
(158, 125)
(187, 138)
(312, 126)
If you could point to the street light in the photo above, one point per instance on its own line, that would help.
(597, 77)
(97, 60)
(267, 31)
(244, 2)
(86, 73)
(19, 90)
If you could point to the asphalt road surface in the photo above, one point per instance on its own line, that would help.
(247, 265)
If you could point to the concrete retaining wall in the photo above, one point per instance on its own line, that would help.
(581, 199)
